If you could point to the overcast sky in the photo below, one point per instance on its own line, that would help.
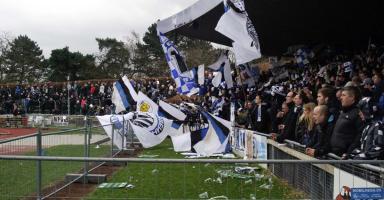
(54, 24)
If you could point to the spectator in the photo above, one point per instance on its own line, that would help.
(348, 127)
(280, 117)
(304, 129)
(83, 105)
(292, 118)
(319, 143)
(102, 89)
(326, 96)
(259, 116)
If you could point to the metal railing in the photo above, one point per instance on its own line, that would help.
(42, 161)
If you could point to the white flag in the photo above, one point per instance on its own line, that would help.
(239, 28)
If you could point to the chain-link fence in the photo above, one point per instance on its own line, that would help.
(41, 178)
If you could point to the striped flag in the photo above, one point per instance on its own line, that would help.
(215, 137)
(123, 96)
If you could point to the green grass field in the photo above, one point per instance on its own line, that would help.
(18, 178)
(188, 181)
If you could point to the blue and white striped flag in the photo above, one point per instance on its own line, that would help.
(184, 78)
(123, 96)
(215, 137)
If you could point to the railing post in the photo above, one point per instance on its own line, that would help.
(85, 149)
(39, 152)
(89, 138)
(112, 138)
(131, 133)
(123, 134)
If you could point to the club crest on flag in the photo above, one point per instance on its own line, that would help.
(145, 107)
(152, 123)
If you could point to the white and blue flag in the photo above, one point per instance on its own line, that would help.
(348, 67)
(237, 26)
(223, 73)
(123, 96)
(116, 127)
(149, 128)
(215, 137)
(165, 110)
(302, 57)
(184, 78)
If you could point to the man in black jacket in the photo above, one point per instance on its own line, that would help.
(319, 143)
(290, 122)
(348, 127)
(260, 117)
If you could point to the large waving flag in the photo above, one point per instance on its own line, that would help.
(222, 68)
(215, 139)
(124, 95)
(184, 78)
(236, 25)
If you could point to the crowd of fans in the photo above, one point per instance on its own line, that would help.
(324, 106)
(85, 98)
(333, 104)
